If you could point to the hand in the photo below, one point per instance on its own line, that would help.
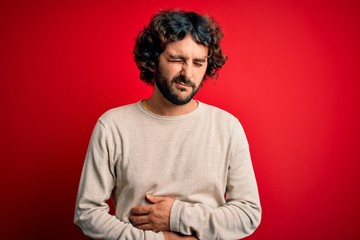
(177, 236)
(154, 217)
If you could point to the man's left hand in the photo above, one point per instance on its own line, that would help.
(154, 217)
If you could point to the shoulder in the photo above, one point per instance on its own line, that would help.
(218, 113)
(222, 119)
(119, 114)
(228, 123)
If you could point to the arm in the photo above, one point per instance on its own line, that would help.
(177, 236)
(96, 184)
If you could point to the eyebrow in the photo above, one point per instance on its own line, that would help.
(184, 58)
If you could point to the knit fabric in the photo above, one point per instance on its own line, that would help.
(196, 158)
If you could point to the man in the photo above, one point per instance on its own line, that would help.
(175, 168)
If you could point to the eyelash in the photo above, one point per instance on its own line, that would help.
(180, 61)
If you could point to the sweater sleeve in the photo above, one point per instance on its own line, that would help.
(241, 214)
(97, 181)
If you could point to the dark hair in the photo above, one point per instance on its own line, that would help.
(172, 26)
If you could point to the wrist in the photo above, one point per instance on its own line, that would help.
(166, 235)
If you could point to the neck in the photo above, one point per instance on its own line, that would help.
(161, 106)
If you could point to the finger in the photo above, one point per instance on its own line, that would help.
(139, 220)
(154, 199)
(145, 226)
(141, 210)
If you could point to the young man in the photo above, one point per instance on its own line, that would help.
(176, 168)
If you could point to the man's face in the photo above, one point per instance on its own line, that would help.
(181, 70)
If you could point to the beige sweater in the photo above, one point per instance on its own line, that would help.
(195, 158)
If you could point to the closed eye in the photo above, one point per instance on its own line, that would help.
(176, 60)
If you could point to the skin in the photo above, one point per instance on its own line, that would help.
(187, 59)
(184, 58)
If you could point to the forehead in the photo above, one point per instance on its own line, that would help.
(186, 47)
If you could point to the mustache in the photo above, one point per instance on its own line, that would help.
(183, 80)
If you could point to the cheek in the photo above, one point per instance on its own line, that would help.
(200, 74)
(170, 71)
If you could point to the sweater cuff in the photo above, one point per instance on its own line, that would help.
(175, 216)
(158, 236)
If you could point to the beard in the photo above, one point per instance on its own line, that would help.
(167, 88)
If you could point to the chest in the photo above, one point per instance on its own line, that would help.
(174, 162)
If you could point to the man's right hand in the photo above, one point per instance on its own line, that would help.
(176, 236)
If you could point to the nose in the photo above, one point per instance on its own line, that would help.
(187, 71)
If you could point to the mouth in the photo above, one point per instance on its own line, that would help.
(184, 83)
(182, 87)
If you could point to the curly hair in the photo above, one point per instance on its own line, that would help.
(171, 26)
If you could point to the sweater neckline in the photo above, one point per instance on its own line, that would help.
(171, 118)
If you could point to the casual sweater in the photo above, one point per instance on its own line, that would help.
(201, 159)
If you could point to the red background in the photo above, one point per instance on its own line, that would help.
(292, 79)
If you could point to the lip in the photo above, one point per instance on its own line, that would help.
(182, 84)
